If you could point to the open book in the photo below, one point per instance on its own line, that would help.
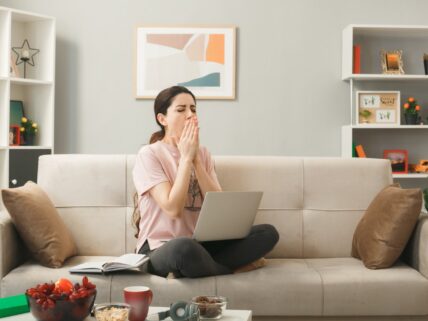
(128, 261)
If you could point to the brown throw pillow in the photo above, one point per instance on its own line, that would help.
(386, 226)
(39, 224)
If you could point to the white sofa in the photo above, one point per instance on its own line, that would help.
(315, 203)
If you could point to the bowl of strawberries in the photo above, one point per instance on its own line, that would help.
(62, 300)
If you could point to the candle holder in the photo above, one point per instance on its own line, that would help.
(25, 55)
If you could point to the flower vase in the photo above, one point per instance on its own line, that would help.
(411, 119)
(29, 139)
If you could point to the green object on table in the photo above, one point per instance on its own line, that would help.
(354, 151)
(13, 305)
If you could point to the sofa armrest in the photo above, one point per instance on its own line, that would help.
(12, 250)
(416, 252)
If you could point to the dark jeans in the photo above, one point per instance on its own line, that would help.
(186, 257)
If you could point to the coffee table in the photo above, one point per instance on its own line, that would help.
(229, 315)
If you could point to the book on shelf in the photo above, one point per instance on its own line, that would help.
(129, 261)
(360, 151)
(356, 59)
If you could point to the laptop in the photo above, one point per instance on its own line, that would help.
(227, 215)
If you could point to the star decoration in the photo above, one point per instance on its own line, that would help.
(25, 53)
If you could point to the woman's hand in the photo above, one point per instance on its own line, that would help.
(188, 145)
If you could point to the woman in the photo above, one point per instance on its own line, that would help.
(171, 176)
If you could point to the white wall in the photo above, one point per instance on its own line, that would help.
(290, 97)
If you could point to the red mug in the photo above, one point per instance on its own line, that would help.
(139, 298)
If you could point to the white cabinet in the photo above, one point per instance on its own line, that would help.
(375, 138)
(36, 91)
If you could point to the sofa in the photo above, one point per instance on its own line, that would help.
(315, 203)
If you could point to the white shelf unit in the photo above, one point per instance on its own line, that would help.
(36, 91)
(375, 138)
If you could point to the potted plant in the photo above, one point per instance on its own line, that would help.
(411, 111)
(28, 130)
(366, 115)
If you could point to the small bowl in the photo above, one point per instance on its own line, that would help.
(210, 306)
(63, 310)
(112, 311)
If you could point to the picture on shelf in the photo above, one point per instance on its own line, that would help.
(16, 112)
(399, 160)
(13, 69)
(392, 62)
(14, 135)
(378, 107)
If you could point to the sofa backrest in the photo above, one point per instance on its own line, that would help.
(315, 203)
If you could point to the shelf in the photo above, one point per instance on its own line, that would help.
(413, 31)
(386, 77)
(411, 175)
(388, 126)
(26, 81)
(30, 147)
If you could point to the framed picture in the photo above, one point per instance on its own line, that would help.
(199, 58)
(392, 62)
(14, 136)
(378, 107)
(13, 68)
(399, 160)
(16, 112)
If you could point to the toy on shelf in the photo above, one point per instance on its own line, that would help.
(421, 167)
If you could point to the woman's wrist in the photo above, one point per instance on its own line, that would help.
(197, 162)
(186, 160)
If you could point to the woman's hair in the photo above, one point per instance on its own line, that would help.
(162, 102)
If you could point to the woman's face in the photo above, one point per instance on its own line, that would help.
(182, 108)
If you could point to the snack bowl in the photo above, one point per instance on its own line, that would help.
(210, 306)
(111, 311)
(62, 300)
(63, 310)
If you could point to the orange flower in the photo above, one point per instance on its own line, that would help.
(406, 106)
(411, 99)
(418, 107)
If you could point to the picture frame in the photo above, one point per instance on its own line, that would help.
(16, 112)
(14, 135)
(399, 160)
(201, 58)
(392, 62)
(13, 71)
(378, 108)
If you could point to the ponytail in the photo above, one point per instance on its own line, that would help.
(157, 136)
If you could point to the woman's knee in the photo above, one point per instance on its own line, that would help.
(270, 233)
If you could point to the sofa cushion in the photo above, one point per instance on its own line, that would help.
(386, 226)
(39, 224)
(97, 230)
(31, 273)
(282, 287)
(350, 289)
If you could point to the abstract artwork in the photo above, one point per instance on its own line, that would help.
(199, 58)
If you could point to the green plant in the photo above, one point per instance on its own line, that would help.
(426, 198)
(411, 107)
(28, 127)
(365, 113)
